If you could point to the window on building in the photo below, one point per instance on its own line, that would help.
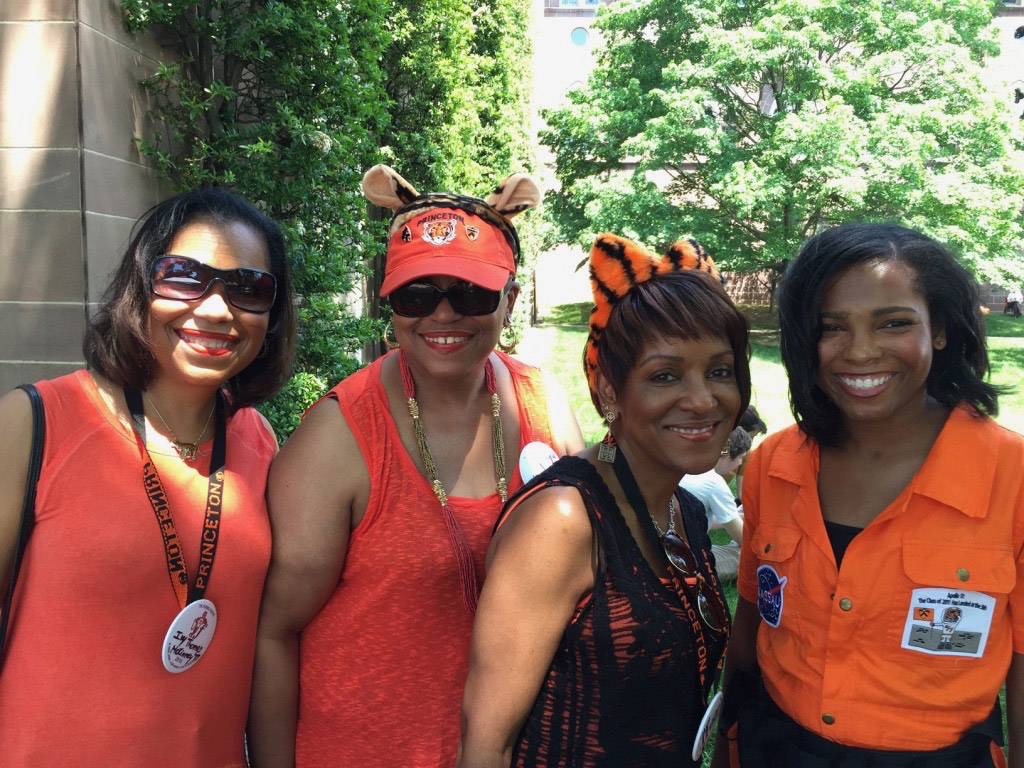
(579, 36)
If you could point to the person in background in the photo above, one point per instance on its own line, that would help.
(383, 500)
(880, 589)
(1014, 299)
(602, 622)
(712, 489)
(134, 621)
(754, 425)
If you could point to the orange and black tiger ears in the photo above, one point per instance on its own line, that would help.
(617, 265)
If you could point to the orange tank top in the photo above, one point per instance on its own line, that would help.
(83, 684)
(383, 664)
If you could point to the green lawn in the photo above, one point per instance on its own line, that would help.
(557, 346)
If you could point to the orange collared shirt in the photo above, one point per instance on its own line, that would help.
(906, 645)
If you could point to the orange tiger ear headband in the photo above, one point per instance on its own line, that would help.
(617, 266)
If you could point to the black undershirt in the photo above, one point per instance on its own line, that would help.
(840, 536)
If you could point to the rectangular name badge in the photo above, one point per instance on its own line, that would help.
(948, 622)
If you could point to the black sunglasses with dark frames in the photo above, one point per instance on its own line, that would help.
(420, 299)
(185, 279)
(712, 610)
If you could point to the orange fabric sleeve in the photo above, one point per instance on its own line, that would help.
(1016, 607)
(746, 578)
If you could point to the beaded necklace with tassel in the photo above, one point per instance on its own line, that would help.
(463, 554)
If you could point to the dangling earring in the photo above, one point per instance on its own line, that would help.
(607, 449)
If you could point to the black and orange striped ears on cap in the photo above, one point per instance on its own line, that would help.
(618, 265)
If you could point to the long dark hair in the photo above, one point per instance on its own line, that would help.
(958, 370)
(116, 342)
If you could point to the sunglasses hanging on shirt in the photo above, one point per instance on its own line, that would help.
(185, 279)
(421, 299)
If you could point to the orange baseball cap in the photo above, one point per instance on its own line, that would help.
(452, 242)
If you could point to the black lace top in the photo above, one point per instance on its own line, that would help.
(623, 689)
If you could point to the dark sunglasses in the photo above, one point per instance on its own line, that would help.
(421, 299)
(185, 279)
(712, 611)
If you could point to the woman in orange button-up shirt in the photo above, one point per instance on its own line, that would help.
(881, 586)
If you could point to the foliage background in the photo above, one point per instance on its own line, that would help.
(290, 102)
(752, 125)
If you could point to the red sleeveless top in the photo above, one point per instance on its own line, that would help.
(83, 684)
(382, 666)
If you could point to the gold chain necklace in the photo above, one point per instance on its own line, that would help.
(467, 570)
(186, 451)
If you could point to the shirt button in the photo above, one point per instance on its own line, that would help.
(963, 574)
(846, 604)
(828, 718)
(767, 547)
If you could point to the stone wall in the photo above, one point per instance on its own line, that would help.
(72, 181)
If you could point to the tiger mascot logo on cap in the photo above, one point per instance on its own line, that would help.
(617, 266)
(439, 231)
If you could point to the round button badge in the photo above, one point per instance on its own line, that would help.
(534, 459)
(708, 724)
(189, 635)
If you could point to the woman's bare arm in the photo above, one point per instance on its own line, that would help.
(540, 565)
(316, 481)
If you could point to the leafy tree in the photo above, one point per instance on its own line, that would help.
(753, 124)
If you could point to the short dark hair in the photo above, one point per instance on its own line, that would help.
(116, 342)
(687, 304)
(739, 442)
(752, 422)
(958, 370)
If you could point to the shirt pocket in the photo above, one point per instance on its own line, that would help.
(953, 598)
(776, 550)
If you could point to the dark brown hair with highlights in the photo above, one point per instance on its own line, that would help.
(116, 342)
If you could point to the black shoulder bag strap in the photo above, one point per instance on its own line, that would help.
(28, 508)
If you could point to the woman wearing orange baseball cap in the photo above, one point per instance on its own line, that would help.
(602, 622)
(882, 578)
(383, 500)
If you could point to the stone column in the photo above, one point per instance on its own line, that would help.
(72, 180)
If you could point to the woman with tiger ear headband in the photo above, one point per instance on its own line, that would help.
(602, 623)
(383, 501)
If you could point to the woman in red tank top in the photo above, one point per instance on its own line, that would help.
(132, 638)
(383, 500)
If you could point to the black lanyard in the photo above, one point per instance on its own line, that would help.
(707, 674)
(177, 571)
